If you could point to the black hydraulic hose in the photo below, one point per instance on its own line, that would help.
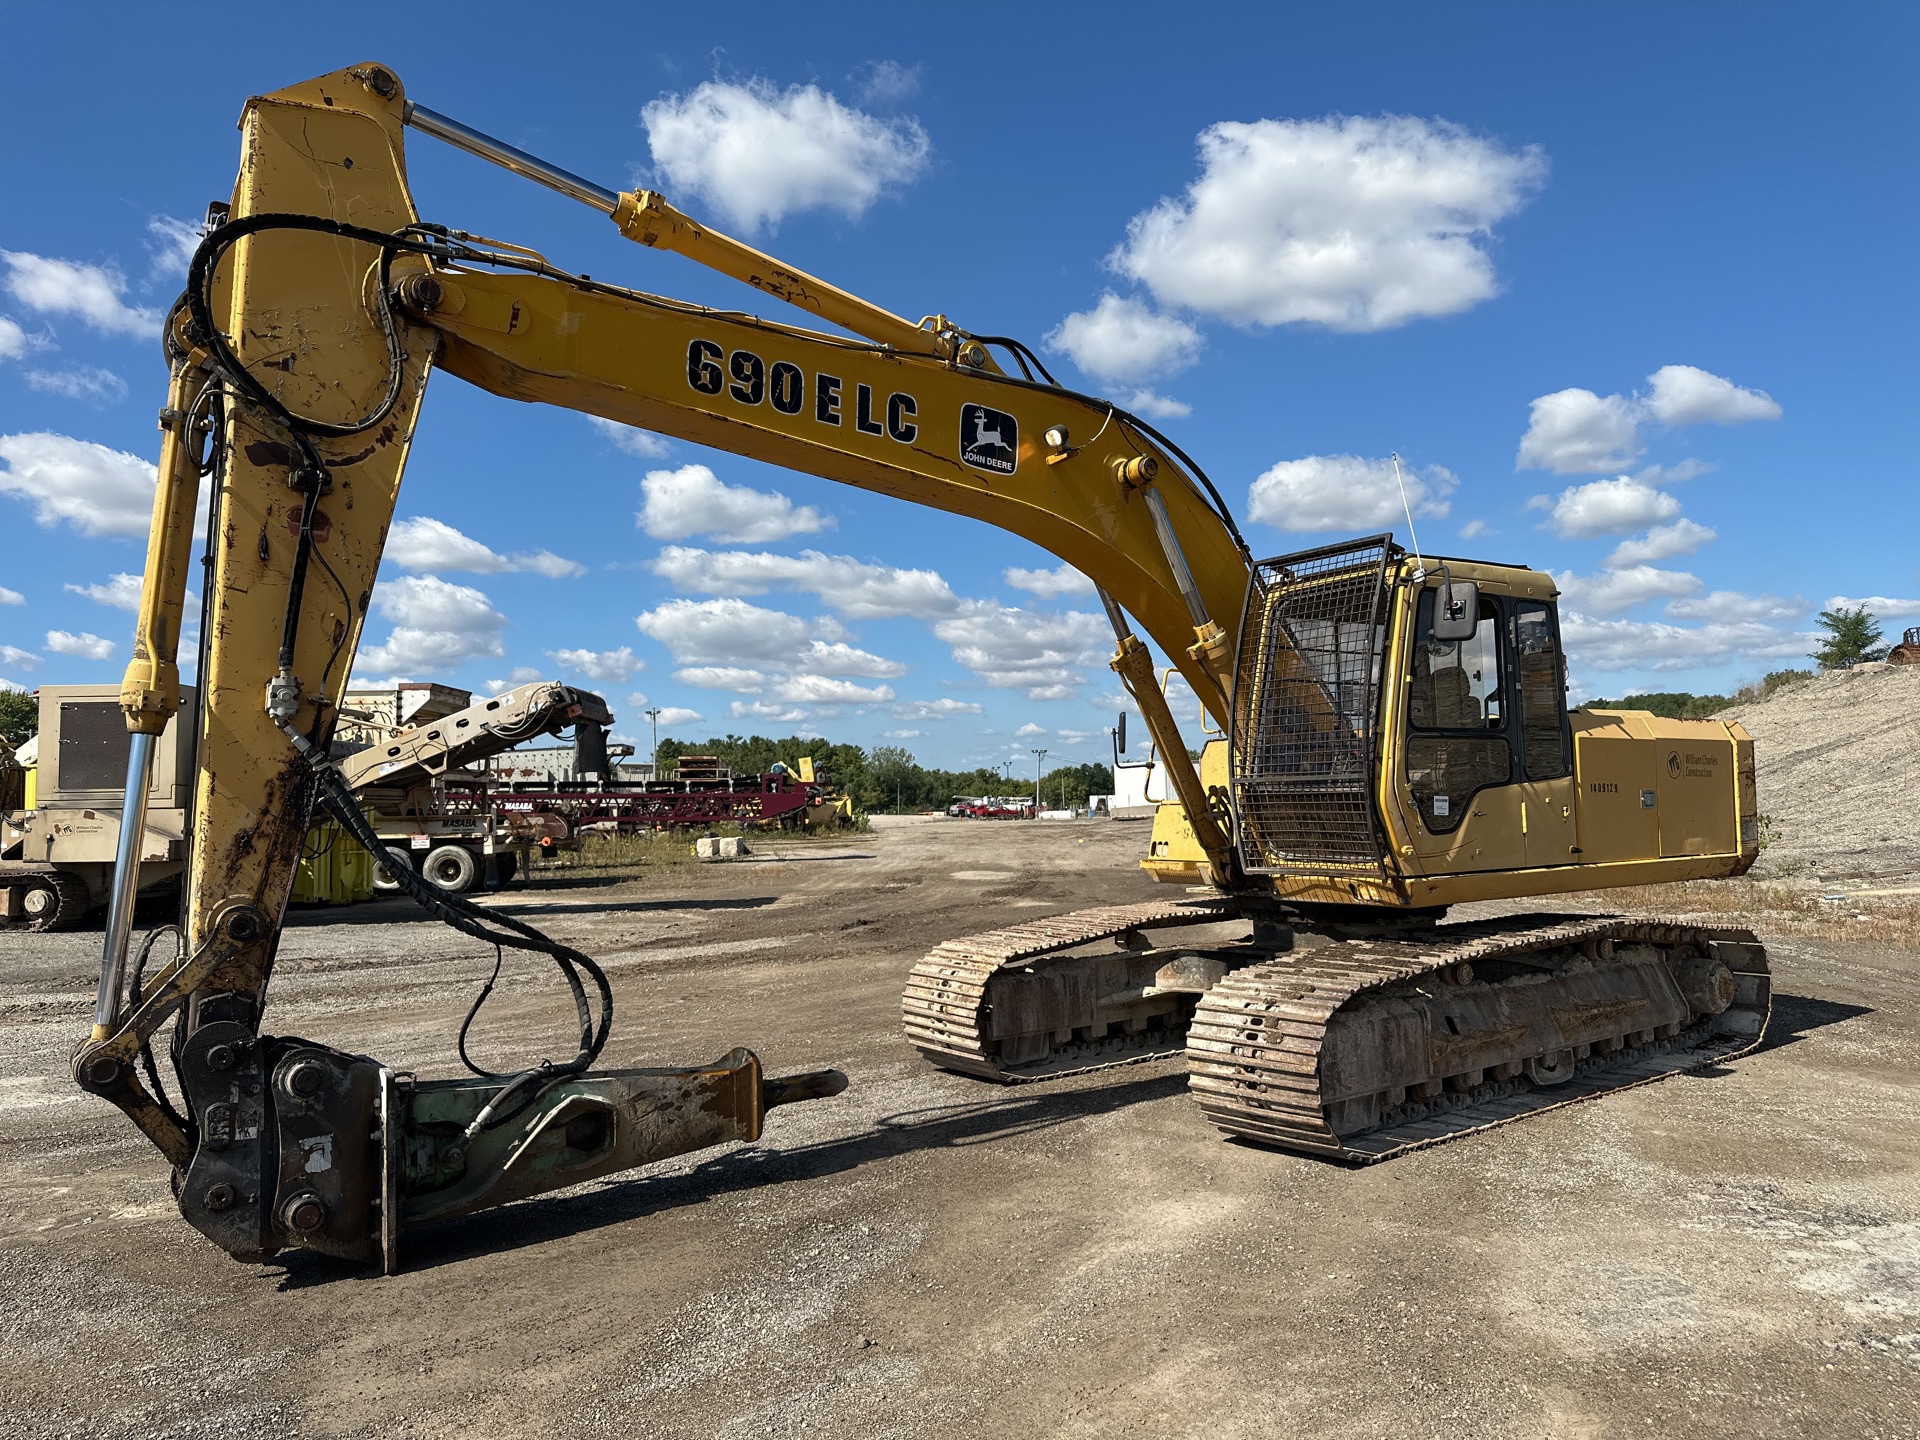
(1219, 505)
(469, 919)
(137, 983)
(310, 472)
(1022, 353)
(309, 476)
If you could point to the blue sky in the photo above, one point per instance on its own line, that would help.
(1628, 287)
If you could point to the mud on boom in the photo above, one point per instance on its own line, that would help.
(1397, 735)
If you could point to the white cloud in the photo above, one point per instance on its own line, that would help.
(728, 631)
(26, 660)
(1688, 395)
(1029, 730)
(823, 657)
(1160, 407)
(1662, 542)
(172, 243)
(856, 589)
(1125, 342)
(902, 734)
(70, 287)
(1731, 607)
(765, 710)
(84, 382)
(671, 715)
(631, 438)
(1884, 607)
(1605, 507)
(723, 677)
(96, 490)
(122, 591)
(11, 597)
(609, 667)
(759, 154)
(14, 342)
(1657, 646)
(1473, 529)
(437, 625)
(885, 82)
(942, 709)
(809, 689)
(1049, 584)
(426, 544)
(1576, 432)
(1044, 655)
(694, 501)
(1346, 492)
(637, 700)
(1354, 223)
(516, 677)
(1612, 591)
(85, 646)
(1689, 469)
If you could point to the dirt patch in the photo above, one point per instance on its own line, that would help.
(925, 1256)
(1839, 772)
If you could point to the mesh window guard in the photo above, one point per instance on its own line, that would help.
(1305, 710)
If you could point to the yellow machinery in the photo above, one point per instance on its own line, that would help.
(1397, 737)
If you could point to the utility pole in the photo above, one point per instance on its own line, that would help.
(654, 716)
(1038, 756)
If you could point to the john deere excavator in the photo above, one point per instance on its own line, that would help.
(1396, 734)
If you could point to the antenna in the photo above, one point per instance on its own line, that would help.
(1420, 566)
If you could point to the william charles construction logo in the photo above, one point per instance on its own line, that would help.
(989, 439)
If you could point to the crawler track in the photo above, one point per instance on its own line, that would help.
(1358, 1049)
(1258, 1048)
(946, 1008)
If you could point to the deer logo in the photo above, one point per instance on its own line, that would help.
(989, 439)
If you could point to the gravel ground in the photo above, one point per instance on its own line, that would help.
(1732, 1253)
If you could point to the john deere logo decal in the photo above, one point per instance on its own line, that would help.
(989, 439)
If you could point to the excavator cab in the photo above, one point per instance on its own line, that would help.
(1390, 743)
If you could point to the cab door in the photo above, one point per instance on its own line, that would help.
(1460, 764)
(1543, 741)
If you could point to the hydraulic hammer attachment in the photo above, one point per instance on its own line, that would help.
(306, 1146)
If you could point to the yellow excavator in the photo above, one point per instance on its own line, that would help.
(1396, 735)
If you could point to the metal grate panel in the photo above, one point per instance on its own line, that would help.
(1304, 710)
(93, 746)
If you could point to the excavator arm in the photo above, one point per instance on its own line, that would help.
(315, 312)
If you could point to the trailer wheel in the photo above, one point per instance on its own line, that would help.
(383, 881)
(451, 868)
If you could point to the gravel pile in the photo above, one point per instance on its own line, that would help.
(1839, 763)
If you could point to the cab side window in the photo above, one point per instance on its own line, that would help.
(1540, 691)
(1456, 717)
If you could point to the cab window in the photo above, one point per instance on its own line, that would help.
(1456, 716)
(1539, 691)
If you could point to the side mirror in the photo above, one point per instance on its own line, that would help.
(1456, 611)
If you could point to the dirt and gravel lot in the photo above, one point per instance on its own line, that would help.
(1732, 1253)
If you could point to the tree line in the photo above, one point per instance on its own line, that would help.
(888, 778)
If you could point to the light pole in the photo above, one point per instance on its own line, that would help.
(1038, 756)
(654, 716)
